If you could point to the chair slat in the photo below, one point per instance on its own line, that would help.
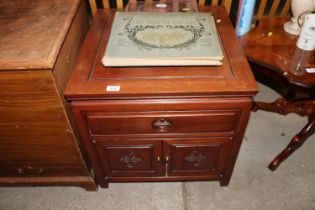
(274, 7)
(119, 4)
(106, 4)
(93, 6)
(286, 8)
(227, 4)
(261, 9)
(202, 2)
(214, 2)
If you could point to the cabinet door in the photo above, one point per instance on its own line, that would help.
(195, 157)
(130, 158)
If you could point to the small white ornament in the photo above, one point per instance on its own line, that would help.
(298, 7)
(306, 40)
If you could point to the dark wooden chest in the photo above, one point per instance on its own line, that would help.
(39, 42)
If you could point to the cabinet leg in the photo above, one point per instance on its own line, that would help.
(295, 143)
(225, 180)
(224, 183)
(104, 184)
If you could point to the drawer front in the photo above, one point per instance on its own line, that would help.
(41, 170)
(168, 116)
(130, 158)
(162, 122)
(196, 157)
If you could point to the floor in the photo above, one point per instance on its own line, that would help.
(253, 186)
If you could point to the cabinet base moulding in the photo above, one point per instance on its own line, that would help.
(81, 181)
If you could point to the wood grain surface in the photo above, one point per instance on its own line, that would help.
(91, 77)
(268, 45)
(32, 32)
(39, 42)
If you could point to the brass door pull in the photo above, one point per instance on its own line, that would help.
(167, 159)
(161, 123)
(158, 159)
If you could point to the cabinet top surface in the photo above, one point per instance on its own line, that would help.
(32, 32)
(90, 79)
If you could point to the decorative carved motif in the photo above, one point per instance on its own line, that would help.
(195, 158)
(130, 160)
(282, 106)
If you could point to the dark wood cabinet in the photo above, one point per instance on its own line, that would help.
(165, 123)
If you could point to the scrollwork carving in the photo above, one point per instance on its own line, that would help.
(282, 106)
(130, 160)
(196, 158)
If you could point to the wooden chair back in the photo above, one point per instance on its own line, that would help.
(120, 4)
(264, 7)
(277, 8)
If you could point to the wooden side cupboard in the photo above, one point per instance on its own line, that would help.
(39, 42)
(161, 123)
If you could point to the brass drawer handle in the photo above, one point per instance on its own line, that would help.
(161, 123)
(30, 171)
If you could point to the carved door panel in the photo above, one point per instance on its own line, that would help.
(196, 157)
(130, 158)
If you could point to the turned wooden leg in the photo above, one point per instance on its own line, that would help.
(295, 143)
(302, 108)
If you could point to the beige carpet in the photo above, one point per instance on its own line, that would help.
(253, 186)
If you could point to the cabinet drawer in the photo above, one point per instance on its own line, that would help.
(41, 170)
(37, 150)
(162, 122)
